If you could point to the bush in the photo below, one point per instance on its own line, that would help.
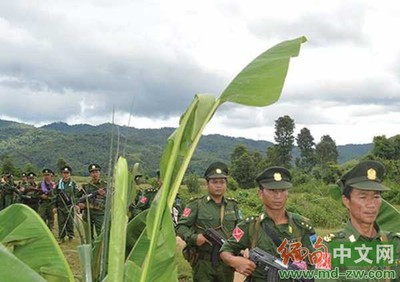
(192, 183)
(232, 184)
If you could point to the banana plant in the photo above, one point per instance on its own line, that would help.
(260, 83)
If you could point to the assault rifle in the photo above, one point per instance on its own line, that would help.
(89, 197)
(216, 240)
(272, 265)
(67, 201)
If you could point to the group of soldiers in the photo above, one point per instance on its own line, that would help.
(277, 230)
(64, 197)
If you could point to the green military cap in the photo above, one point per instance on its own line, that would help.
(47, 171)
(93, 167)
(66, 169)
(138, 175)
(8, 175)
(367, 175)
(275, 177)
(216, 170)
(24, 174)
(31, 174)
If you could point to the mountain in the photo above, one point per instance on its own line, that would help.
(79, 145)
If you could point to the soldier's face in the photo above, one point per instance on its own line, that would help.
(216, 186)
(95, 174)
(66, 175)
(363, 206)
(273, 199)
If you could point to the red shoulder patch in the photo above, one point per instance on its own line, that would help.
(186, 212)
(143, 200)
(237, 233)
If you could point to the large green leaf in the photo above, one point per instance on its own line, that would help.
(260, 83)
(250, 87)
(119, 220)
(29, 240)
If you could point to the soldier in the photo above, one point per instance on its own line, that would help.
(268, 230)
(47, 198)
(66, 195)
(8, 190)
(361, 195)
(31, 196)
(145, 198)
(215, 211)
(94, 194)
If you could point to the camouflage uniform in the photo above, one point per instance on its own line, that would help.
(66, 195)
(31, 195)
(8, 191)
(202, 213)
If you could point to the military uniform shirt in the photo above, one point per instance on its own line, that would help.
(350, 234)
(298, 229)
(202, 213)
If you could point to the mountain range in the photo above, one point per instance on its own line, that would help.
(82, 144)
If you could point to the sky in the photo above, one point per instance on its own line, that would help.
(75, 60)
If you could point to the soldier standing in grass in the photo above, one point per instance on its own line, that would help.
(215, 211)
(8, 190)
(94, 195)
(361, 195)
(66, 194)
(30, 196)
(268, 230)
(46, 202)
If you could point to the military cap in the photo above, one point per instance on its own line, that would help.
(275, 177)
(367, 175)
(8, 175)
(93, 167)
(47, 171)
(138, 175)
(66, 169)
(31, 174)
(216, 170)
(24, 174)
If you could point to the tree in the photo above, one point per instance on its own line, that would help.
(326, 151)
(284, 127)
(243, 170)
(306, 145)
(238, 151)
(383, 148)
(8, 165)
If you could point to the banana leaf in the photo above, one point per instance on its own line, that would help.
(28, 243)
(259, 84)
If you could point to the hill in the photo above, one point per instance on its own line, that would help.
(82, 144)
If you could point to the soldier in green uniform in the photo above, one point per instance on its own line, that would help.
(66, 194)
(94, 194)
(216, 211)
(30, 195)
(8, 190)
(361, 195)
(145, 197)
(47, 198)
(268, 230)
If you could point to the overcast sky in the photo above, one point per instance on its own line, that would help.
(73, 60)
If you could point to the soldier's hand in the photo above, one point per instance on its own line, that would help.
(201, 240)
(243, 265)
(80, 206)
(44, 197)
(101, 191)
(54, 210)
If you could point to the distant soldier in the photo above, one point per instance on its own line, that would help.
(361, 195)
(47, 197)
(30, 195)
(66, 195)
(94, 194)
(145, 197)
(21, 187)
(9, 189)
(214, 211)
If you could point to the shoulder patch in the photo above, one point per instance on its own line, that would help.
(251, 218)
(302, 221)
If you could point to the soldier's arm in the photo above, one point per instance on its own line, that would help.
(185, 227)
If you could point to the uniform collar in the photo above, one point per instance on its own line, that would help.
(209, 198)
(353, 235)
